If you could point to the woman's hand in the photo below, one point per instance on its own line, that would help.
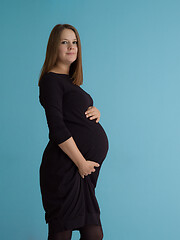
(93, 112)
(86, 167)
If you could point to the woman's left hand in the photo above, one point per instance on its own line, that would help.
(93, 112)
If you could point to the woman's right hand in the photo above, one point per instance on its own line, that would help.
(86, 167)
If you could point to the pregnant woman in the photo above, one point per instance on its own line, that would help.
(77, 143)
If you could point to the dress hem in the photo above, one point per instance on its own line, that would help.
(58, 225)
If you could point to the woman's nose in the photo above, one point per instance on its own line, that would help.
(70, 45)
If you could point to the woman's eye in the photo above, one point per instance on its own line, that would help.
(66, 41)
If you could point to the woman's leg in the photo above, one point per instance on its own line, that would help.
(91, 232)
(65, 235)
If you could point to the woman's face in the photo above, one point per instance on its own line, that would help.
(67, 47)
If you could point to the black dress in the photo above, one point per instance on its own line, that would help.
(68, 199)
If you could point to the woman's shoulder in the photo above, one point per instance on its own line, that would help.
(55, 82)
(53, 78)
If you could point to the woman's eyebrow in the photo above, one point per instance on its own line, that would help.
(67, 39)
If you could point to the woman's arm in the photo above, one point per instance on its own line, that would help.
(51, 95)
(85, 167)
(70, 148)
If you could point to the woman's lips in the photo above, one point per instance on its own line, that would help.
(70, 53)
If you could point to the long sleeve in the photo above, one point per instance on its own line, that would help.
(51, 96)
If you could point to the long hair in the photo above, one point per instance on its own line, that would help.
(75, 72)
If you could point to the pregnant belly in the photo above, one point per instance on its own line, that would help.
(91, 140)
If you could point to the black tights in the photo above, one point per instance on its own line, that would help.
(88, 232)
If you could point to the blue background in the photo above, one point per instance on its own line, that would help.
(131, 66)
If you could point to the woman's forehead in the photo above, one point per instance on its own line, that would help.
(68, 34)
